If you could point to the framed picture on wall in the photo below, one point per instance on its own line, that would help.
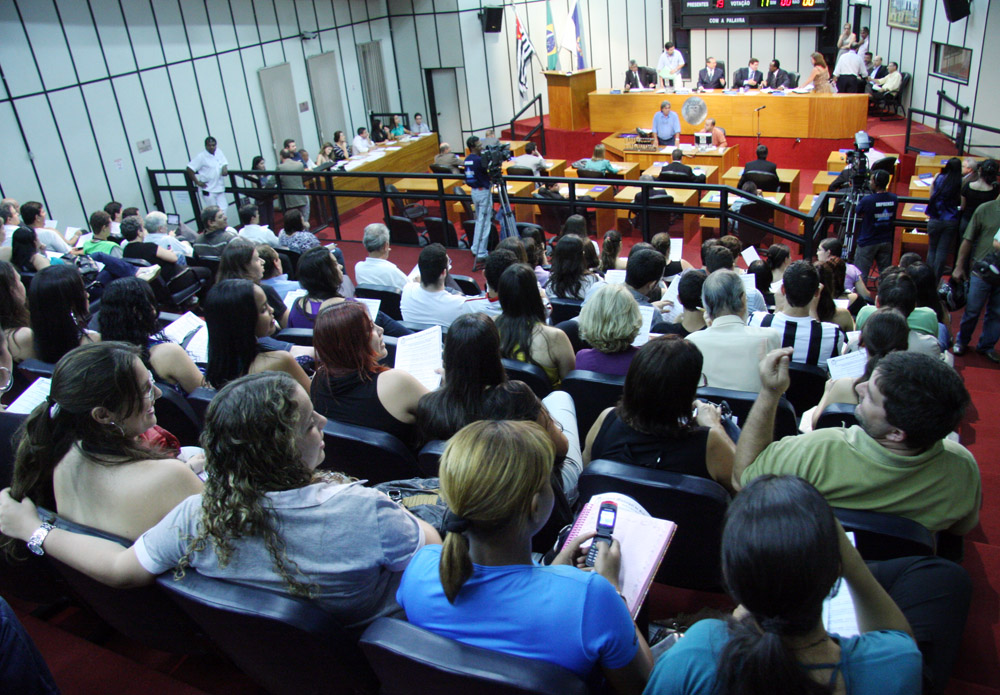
(905, 14)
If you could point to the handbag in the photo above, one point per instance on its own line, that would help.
(988, 268)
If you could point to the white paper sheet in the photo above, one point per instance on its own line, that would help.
(750, 255)
(850, 365)
(420, 355)
(838, 611)
(414, 275)
(372, 305)
(293, 295)
(191, 333)
(749, 282)
(31, 396)
(676, 248)
(647, 312)
(52, 224)
(614, 277)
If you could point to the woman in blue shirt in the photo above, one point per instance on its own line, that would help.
(782, 552)
(943, 215)
(598, 162)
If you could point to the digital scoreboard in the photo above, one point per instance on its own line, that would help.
(736, 14)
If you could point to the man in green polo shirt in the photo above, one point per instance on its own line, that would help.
(896, 460)
(977, 242)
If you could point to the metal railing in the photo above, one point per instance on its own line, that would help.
(962, 129)
(540, 128)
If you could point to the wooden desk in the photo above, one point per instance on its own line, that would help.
(918, 190)
(411, 156)
(788, 180)
(935, 163)
(915, 212)
(822, 181)
(829, 116)
(681, 196)
(806, 206)
(711, 172)
(605, 216)
(514, 189)
(615, 146)
(626, 171)
(712, 201)
(516, 146)
(556, 167)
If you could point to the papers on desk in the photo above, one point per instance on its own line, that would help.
(191, 333)
(923, 182)
(660, 164)
(353, 164)
(598, 189)
(850, 365)
(713, 197)
(698, 171)
(750, 255)
(804, 90)
(372, 305)
(293, 295)
(614, 277)
(838, 610)
(31, 397)
(419, 354)
(648, 313)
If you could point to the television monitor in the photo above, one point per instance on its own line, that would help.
(703, 139)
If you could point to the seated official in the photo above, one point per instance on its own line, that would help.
(718, 134)
(428, 301)
(263, 442)
(652, 425)
(531, 159)
(759, 164)
(731, 349)
(362, 142)
(897, 460)
(597, 162)
(569, 277)
(446, 158)
(776, 77)
(638, 77)
(888, 85)
(609, 323)
(350, 385)
(749, 77)
(677, 166)
(482, 587)
(711, 76)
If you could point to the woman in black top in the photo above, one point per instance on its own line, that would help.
(981, 190)
(653, 424)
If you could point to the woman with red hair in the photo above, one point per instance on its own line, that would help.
(350, 385)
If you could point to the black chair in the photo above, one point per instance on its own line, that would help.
(403, 231)
(520, 171)
(368, 454)
(298, 336)
(288, 645)
(793, 80)
(210, 262)
(552, 217)
(659, 220)
(674, 177)
(390, 350)
(808, 383)
(592, 392)
(837, 415)
(764, 180)
(409, 660)
(469, 229)
(531, 374)
(143, 614)
(438, 169)
(880, 536)
(199, 400)
(589, 174)
(886, 164)
(786, 423)
(175, 414)
(9, 425)
(530, 229)
(564, 309)
(894, 101)
(405, 208)
(36, 368)
(468, 285)
(290, 262)
(697, 505)
(441, 230)
(389, 296)
(751, 234)
(429, 457)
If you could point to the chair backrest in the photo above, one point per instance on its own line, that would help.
(808, 383)
(9, 425)
(564, 309)
(552, 216)
(143, 614)
(674, 177)
(469, 227)
(37, 368)
(429, 457)
(298, 336)
(410, 660)
(439, 169)
(530, 229)
(837, 415)
(403, 231)
(468, 285)
(441, 231)
(887, 164)
(589, 174)
(398, 204)
(366, 453)
(389, 296)
(793, 79)
(520, 171)
(531, 374)
(880, 536)
(697, 505)
(199, 400)
(175, 414)
(288, 645)
(751, 234)
(592, 392)
(764, 180)
(785, 421)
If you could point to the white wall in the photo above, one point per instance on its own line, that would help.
(735, 46)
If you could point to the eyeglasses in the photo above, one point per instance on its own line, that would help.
(6, 380)
(703, 382)
(149, 395)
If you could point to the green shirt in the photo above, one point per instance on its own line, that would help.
(108, 247)
(939, 488)
(983, 226)
(922, 319)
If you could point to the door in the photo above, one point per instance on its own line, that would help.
(446, 117)
(328, 106)
(281, 105)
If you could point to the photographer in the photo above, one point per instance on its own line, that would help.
(478, 180)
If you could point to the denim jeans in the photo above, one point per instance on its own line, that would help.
(940, 239)
(981, 294)
(22, 668)
(482, 198)
(879, 253)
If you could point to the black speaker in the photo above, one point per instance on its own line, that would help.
(956, 9)
(492, 19)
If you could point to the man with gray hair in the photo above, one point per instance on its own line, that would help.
(155, 224)
(377, 269)
(732, 350)
(637, 78)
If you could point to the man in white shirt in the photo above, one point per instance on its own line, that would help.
(362, 143)
(377, 269)
(428, 301)
(251, 228)
(156, 232)
(489, 303)
(850, 73)
(530, 159)
(890, 83)
(207, 171)
(732, 350)
(33, 216)
(669, 66)
(419, 127)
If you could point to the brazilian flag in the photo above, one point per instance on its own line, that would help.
(550, 39)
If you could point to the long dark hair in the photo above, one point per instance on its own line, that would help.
(23, 246)
(64, 420)
(885, 331)
(342, 338)
(13, 311)
(231, 314)
(826, 308)
(777, 254)
(948, 185)
(522, 310)
(234, 263)
(923, 277)
(129, 313)
(610, 250)
(472, 365)
(568, 268)
(319, 275)
(660, 387)
(293, 222)
(780, 558)
(59, 310)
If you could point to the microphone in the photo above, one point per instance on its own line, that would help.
(760, 108)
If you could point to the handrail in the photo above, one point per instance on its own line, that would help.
(943, 96)
(963, 124)
(537, 101)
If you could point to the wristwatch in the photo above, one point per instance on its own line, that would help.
(38, 537)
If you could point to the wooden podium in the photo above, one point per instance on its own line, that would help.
(569, 108)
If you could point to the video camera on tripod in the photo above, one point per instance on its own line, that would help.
(858, 187)
(493, 158)
(857, 161)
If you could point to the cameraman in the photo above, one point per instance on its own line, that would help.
(479, 181)
(877, 212)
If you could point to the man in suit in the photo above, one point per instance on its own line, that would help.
(447, 158)
(676, 166)
(877, 70)
(749, 76)
(776, 77)
(636, 77)
(759, 164)
(710, 76)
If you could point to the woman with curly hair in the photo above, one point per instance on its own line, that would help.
(609, 322)
(129, 314)
(14, 316)
(266, 517)
(569, 277)
(82, 454)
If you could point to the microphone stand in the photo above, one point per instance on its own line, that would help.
(758, 110)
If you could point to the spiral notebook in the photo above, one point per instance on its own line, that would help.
(643, 538)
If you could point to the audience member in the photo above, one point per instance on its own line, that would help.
(100, 242)
(982, 189)
(60, 311)
(215, 235)
(295, 236)
(274, 273)
(943, 215)
(609, 323)
(446, 158)
(377, 269)
(896, 290)
(33, 215)
(252, 229)
(362, 142)
(718, 257)
(692, 318)
(977, 243)
(531, 159)
(27, 253)
(241, 261)
(661, 241)
(155, 224)
(569, 278)
(135, 245)
(14, 316)
(496, 263)
(597, 162)
(831, 247)
(610, 252)
(831, 288)
(428, 301)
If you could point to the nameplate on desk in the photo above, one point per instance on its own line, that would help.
(777, 94)
(919, 208)
(927, 154)
(844, 150)
(930, 175)
(833, 173)
(712, 197)
(598, 189)
(943, 162)
(616, 91)
(729, 91)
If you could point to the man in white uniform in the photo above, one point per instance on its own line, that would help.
(669, 66)
(207, 171)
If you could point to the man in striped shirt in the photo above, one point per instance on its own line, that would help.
(814, 342)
